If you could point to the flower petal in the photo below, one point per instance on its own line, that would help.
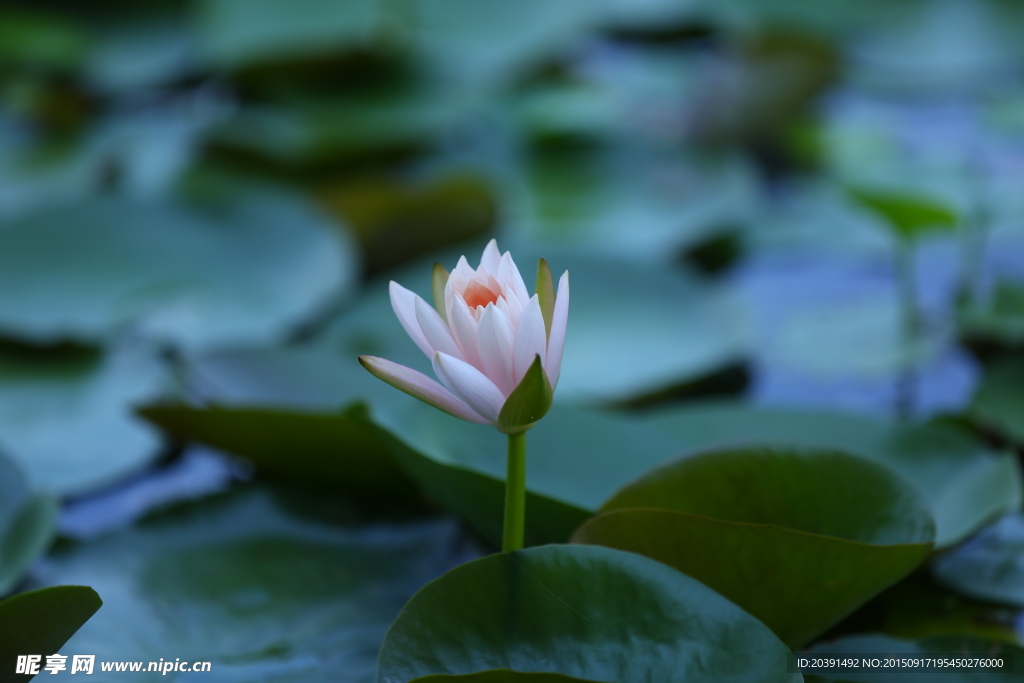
(420, 386)
(404, 304)
(457, 281)
(490, 259)
(495, 340)
(470, 385)
(531, 340)
(435, 330)
(559, 321)
(509, 276)
(464, 329)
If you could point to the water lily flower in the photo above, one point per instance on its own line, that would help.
(483, 335)
(496, 350)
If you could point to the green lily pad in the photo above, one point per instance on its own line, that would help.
(798, 539)
(950, 646)
(998, 403)
(989, 566)
(267, 585)
(40, 622)
(248, 270)
(581, 614)
(1000, 320)
(65, 414)
(28, 522)
(965, 484)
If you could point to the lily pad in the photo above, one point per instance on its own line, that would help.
(798, 539)
(950, 646)
(28, 522)
(989, 566)
(65, 414)
(247, 270)
(41, 621)
(580, 614)
(998, 403)
(965, 485)
(267, 585)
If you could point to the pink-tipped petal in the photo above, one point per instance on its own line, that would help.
(531, 339)
(490, 259)
(495, 341)
(404, 304)
(464, 327)
(457, 281)
(470, 385)
(559, 321)
(435, 330)
(420, 386)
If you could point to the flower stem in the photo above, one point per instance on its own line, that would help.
(515, 494)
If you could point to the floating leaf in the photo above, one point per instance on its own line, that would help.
(65, 414)
(909, 215)
(989, 566)
(575, 614)
(248, 270)
(965, 484)
(998, 403)
(266, 585)
(798, 539)
(28, 522)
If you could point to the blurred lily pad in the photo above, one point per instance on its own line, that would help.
(989, 566)
(797, 538)
(1001, 321)
(965, 484)
(268, 586)
(521, 616)
(998, 404)
(65, 414)
(909, 215)
(28, 521)
(248, 270)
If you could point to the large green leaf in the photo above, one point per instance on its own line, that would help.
(949, 646)
(584, 613)
(990, 565)
(247, 269)
(65, 414)
(267, 585)
(28, 522)
(964, 484)
(998, 403)
(40, 622)
(798, 539)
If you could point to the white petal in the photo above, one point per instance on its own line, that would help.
(559, 321)
(404, 304)
(495, 339)
(457, 281)
(513, 279)
(464, 326)
(420, 386)
(470, 385)
(531, 339)
(514, 303)
(491, 258)
(435, 330)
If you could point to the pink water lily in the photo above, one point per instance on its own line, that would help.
(482, 336)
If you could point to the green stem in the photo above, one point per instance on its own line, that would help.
(515, 494)
(911, 315)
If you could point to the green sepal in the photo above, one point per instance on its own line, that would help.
(528, 402)
(438, 280)
(546, 293)
(909, 215)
